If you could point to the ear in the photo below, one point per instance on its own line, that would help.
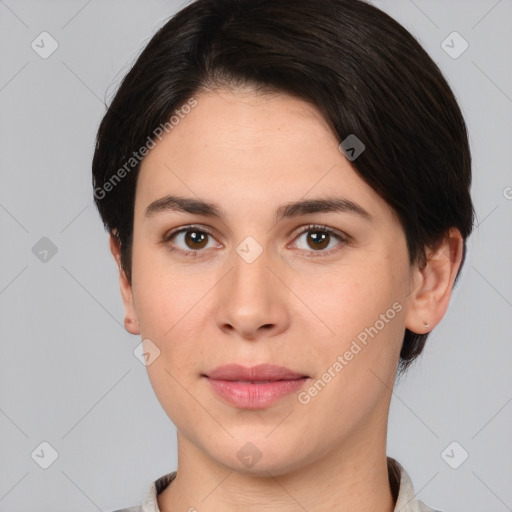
(433, 284)
(131, 320)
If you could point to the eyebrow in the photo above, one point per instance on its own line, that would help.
(173, 203)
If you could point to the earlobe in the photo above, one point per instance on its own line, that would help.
(131, 320)
(433, 284)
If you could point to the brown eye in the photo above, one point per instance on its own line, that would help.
(318, 239)
(196, 239)
(190, 241)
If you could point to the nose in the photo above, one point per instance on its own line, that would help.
(252, 299)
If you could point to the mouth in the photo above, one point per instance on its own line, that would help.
(262, 381)
(260, 373)
(256, 387)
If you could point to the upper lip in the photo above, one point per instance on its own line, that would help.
(256, 373)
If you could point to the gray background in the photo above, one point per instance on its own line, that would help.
(68, 375)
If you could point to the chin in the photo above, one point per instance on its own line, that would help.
(260, 457)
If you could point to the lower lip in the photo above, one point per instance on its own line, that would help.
(247, 395)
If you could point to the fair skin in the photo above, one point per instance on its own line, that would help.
(297, 304)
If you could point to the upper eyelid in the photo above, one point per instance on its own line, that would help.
(173, 232)
(321, 227)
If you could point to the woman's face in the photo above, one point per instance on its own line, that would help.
(256, 285)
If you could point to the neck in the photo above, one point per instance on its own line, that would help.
(353, 477)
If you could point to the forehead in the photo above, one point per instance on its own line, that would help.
(242, 146)
(250, 123)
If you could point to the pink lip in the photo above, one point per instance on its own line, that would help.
(247, 388)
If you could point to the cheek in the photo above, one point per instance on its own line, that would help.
(165, 295)
(363, 306)
(170, 303)
(350, 300)
(171, 315)
(355, 366)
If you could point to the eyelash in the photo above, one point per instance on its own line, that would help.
(344, 239)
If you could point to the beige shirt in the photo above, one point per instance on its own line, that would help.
(401, 487)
